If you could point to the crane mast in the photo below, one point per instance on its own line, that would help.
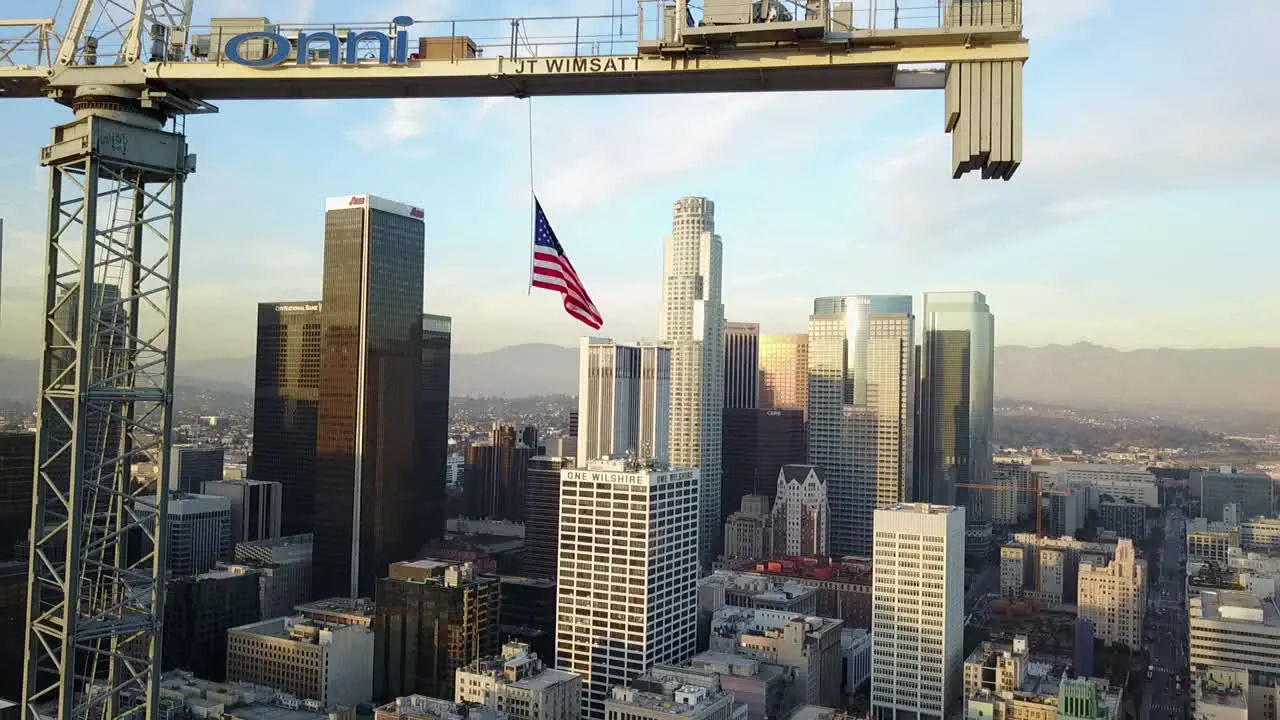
(131, 70)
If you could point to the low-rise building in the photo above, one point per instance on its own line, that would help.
(421, 707)
(182, 694)
(519, 684)
(855, 644)
(810, 645)
(1047, 568)
(670, 693)
(310, 659)
(1220, 694)
(767, 690)
(843, 586)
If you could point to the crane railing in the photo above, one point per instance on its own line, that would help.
(28, 43)
(509, 37)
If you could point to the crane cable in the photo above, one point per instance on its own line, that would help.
(533, 197)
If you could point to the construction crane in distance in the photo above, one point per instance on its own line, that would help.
(132, 70)
(1038, 492)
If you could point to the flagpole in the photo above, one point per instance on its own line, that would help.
(533, 199)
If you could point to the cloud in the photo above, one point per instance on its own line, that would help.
(1046, 19)
(658, 140)
(283, 11)
(1122, 132)
(402, 120)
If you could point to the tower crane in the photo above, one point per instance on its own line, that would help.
(131, 71)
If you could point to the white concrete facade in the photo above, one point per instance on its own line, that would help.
(692, 325)
(917, 611)
(627, 566)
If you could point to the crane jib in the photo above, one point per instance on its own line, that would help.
(276, 49)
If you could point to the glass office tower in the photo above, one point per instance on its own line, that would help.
(956, 403)
(861, 409)
(370, 502)
(285, 397)
(433, 419)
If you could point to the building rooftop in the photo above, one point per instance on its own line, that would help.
(519, 667)
(675, 691)
(429, 708)
(1234, 606)
(542, 583)
(735, 621)
(763, 588)
(920, 509)
(241, 700)
(357, 610)
(1222, 687)
(855, 572)
(298, 629)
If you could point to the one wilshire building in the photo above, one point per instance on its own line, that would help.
(861, 409)
(370, 495)
(628, 573)
(692, 325)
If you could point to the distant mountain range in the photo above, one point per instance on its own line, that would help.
(1081, 375)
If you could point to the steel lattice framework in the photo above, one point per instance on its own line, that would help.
(96, 589)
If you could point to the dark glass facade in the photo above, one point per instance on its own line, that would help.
(285, 397)
(757, 443)
(370, 502)
(198, 611)
(528, 613)
(542, 516)
(495, 476)
(741, 365)
(1250, 492)
(17, 473)
(13, 620)
(431, 618)
(955, 403)
(433, 417)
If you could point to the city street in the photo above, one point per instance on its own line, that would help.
(1165, 634)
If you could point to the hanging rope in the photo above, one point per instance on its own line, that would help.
(533, 198)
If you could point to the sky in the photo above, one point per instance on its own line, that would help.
(1143, 215)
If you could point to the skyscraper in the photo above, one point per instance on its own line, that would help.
(624, 396)
(741, 365)
(542, 515)
(918, 605)
(692, 325)
(784, 372)
(433, 417)
(861, 408)
(286, 394)
(17, 475)
(191, 466)
(956, 404)
(495, 476)
(370, 502)
(647, 581)
(757, 442)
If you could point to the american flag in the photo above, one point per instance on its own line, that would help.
(553, 271)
